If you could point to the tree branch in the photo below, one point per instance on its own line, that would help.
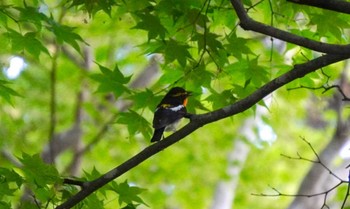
(198, 121)
(333, 5)
(53, 103)
(249, 24)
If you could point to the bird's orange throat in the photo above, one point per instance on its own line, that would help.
(185, 102)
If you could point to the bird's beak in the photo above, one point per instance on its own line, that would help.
(189, 93)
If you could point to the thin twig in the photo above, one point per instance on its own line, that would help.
(318, 160)
(325, 89)
(347, 192)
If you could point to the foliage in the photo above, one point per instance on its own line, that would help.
(98, 49)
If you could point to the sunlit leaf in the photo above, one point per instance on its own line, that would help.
(135, 123)
(238, 46)
(220, 100)
(128, 194)
(37, 172)
(7, 175)
(176, 51)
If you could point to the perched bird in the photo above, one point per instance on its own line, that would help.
(169, 112)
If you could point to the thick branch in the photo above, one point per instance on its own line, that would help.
(200, 120)
(249, 24)
(333, 5)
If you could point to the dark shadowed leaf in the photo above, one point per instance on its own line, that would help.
(152, 24)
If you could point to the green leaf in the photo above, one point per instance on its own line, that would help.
(326, 26)
(33, 45)
(93, 7)
(237, 72)
(92, 201)
(94, 174)
(237, 46)
(170, 75)
(5, 205)
(130, 206)
(194, 15)
(68, 191)
(208, 41)
(7, 175)
(247, 72)
(32, 15)
(222, 99)
(5, 189)
(242, 91)
(127, 194)
(139, 5)
(143, 99)
(65, 34)
(6, 92)
(37, 172)
(111, 81)
(176, 51)
(3, 16)
(212, 42)
(257, 73)
(27, 42)
(152, 24)
(200, 74)
(135, 123)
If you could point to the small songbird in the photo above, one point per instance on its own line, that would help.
(169, 112)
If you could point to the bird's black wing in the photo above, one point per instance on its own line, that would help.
(167, 116)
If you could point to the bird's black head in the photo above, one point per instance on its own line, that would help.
(178, 92)
(176, 96)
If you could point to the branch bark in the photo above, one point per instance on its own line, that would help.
(198, 121)
(333, 5)
(249, 24)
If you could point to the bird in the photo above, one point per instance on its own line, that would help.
(169, 112)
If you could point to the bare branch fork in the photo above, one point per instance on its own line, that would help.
(318, 160)
(324, 193)
(325, 89)
(334, 53)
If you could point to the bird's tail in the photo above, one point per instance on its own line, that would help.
(158, 133)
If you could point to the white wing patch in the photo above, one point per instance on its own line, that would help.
(177, 108)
